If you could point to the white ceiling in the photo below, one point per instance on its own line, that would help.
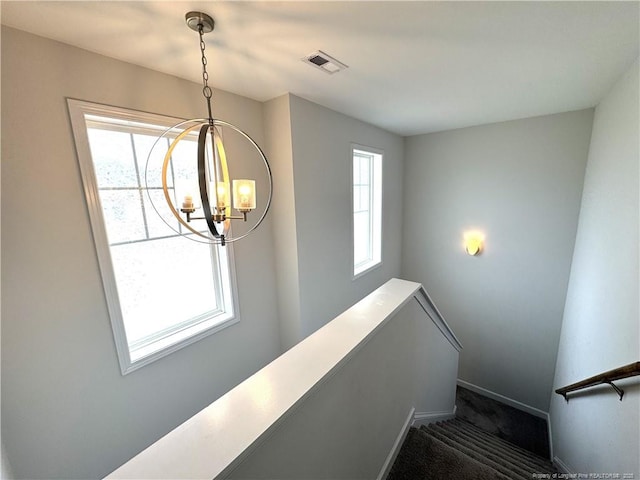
(414, 67)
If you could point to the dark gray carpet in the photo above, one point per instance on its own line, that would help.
(423, 457)
(458, 450)
(515, 426)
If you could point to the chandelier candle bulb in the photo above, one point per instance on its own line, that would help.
(244, 195)
(222, 195)
(187, 202)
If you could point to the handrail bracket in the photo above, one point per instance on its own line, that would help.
(618, 390)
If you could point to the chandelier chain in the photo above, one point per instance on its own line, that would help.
(206, 89)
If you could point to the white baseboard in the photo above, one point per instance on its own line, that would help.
(506, 400)
(561, 465)
(425, 418)
(388, 463)
(551, 457)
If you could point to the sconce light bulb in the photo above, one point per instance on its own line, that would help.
(473, 243)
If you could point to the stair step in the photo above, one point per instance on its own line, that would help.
(460, 450)
(507, 468)
(491, 449)
(424, 457)
(494, 443)
(497, 440)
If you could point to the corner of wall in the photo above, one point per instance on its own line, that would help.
(279, 149)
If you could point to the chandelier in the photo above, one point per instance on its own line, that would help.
(206, 214)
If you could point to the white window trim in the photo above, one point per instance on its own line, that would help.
(77, 111)
(373, 264)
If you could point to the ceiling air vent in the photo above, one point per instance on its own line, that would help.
(324, 62)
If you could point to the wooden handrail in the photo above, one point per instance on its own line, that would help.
(627, 371)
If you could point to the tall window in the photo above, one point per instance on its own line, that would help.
(163, 291)
(367, 209)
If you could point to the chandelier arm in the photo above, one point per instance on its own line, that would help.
(202, 182)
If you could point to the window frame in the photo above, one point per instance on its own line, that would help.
(188, 333)
(376, 195)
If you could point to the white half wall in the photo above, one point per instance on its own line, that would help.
(348, 426)
(520, 183)
(67, 412)
(595, 432)
(336, 405)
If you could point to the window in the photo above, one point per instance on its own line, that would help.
(367, 209)
(163, 291)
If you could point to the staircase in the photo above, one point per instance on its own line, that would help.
(456, 449)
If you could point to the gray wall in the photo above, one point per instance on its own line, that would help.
(519, 182)
(5, 467)
(322, 174)
(309, 147)
(595, 432)
(67, 412)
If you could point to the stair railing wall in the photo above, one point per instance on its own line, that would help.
(337, 405)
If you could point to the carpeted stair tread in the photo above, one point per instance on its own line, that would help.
(423, 457)
(503, 444)
(474, 430)
(532, 463)
(505, 461)
(506, 468)
(527, 459)
(506, 458)
(478, 432)
(456, 449)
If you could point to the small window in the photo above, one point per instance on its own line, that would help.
(367, 209)
(163, 291)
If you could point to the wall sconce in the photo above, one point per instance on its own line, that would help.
(473, 242)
